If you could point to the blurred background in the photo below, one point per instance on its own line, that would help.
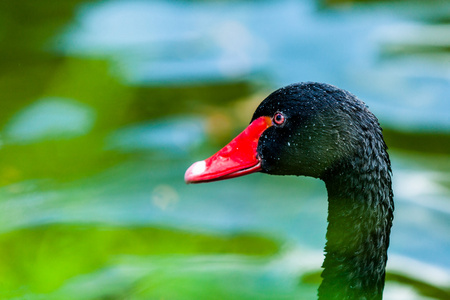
(104, 104)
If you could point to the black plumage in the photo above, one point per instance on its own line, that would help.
(330, 134)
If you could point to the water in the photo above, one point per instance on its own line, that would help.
(105, 105)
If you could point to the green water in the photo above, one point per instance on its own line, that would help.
(104, 104)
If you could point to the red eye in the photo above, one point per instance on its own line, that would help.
(278, 118)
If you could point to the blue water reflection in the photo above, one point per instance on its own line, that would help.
(165, 42)
(49, 119)
(172, 135)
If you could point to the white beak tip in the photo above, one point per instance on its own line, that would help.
(196, 169)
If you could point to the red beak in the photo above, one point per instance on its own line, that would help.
(237, 158)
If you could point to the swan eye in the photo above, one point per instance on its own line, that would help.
(279, 118)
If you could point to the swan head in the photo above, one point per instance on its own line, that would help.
(301, 129)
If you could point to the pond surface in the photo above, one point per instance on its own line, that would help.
(106, 103)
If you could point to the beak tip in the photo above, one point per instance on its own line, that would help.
(194, 171)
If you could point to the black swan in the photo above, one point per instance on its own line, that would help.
(318, 130)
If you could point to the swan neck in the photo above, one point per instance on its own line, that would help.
(360, 213)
